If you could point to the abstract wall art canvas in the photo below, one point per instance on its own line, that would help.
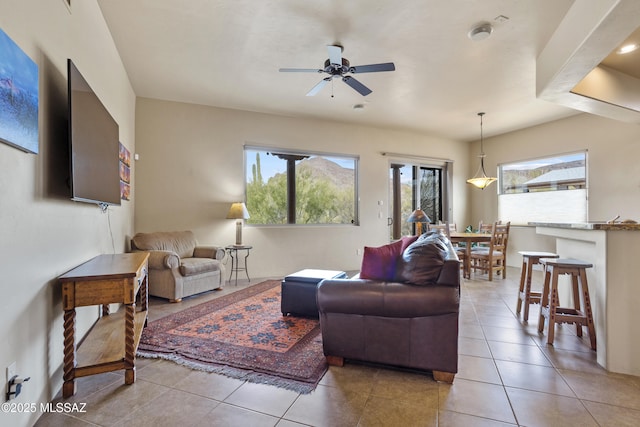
(18, 97)
(125, 173)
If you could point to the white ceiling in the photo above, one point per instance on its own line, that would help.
(227, 53)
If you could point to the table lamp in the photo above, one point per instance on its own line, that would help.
(239, 212)
(418, 216)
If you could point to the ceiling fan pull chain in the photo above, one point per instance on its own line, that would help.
(332, 88)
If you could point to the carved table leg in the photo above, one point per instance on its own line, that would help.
(69, 386)
(129, 345)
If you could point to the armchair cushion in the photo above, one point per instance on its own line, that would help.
(195, 266)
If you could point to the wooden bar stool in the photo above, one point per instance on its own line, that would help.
(529, 259)
(581, 315)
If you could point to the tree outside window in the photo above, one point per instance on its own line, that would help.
(285, 187)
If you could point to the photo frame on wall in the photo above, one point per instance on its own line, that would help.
(125, 173)
(18, 97)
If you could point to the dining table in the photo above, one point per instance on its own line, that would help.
(468, 239)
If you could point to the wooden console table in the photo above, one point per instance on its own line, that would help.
(111, 343)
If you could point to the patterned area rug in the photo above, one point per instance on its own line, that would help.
(242, 335)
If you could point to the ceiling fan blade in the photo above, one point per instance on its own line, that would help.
(335, 54)
(317, 88)
(373, 68)
(300, 70)
(359, 87)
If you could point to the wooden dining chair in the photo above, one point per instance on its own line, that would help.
(444, 228)
(493, 258)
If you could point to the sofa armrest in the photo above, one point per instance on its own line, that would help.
(450, 272)
(214, 252)
(161, 260)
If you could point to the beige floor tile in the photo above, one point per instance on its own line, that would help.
(209, 385)
(476, 398)
(327, 406)
(473, 347)
(263, 398)
(54, 419)
(518, 353)
(287, 423)
(163, 372)
(477, 369)
(517, 336)
(533, 377)
(115, 402)
(573, 360)
(470, 330)
(613, 416)
(232, 416)
(614, 389)
(351, 377)
(499, 321)
(384, 412)
(533, 409)
(170, 409)
(85, 386)
(406, 386)
(455, 419)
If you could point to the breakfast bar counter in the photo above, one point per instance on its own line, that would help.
(614, 250)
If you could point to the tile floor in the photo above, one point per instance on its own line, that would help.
(507, 376)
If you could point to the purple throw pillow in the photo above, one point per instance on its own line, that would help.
(380, 263)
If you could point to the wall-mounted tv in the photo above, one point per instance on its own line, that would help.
(93, 145)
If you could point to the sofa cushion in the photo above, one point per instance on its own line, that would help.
(181, 242)
(379, 263)
(422, 261)
(195, 266)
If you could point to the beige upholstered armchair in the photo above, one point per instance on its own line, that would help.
(178, 267)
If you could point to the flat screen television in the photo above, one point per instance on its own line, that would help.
(93, 145)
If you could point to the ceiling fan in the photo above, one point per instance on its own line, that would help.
(337, 66)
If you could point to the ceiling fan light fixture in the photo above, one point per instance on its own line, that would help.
(480, 32)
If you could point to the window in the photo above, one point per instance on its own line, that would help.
(412, 187)
(550, 189)
(290, 187)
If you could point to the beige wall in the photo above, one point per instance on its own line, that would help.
(43, 233)
(613, 169)
(191, 169)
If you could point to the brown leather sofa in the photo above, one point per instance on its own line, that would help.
(398, 322)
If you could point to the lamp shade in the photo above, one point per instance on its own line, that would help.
(238, 211)
(481, 182)
(418, 216)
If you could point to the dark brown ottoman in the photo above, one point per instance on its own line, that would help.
(299, 291)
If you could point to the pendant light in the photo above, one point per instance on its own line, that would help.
(481, 180)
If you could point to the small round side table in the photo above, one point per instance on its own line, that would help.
(235, 260)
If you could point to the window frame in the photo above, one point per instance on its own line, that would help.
(311, 153)
(546, 194)
(445, 166)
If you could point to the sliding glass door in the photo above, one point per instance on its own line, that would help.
(413, 187)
